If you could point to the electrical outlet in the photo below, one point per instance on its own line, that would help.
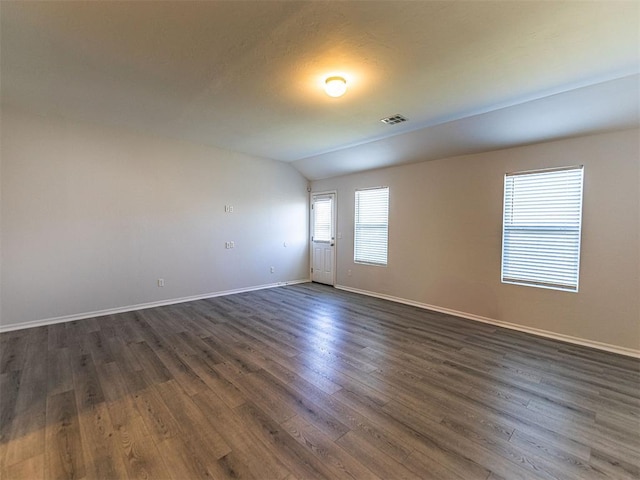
(273, 269)
(348, 273)
(161, 282)
(232, 244)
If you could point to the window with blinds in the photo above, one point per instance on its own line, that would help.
(322, 219)
(541, 228)
(371, 226)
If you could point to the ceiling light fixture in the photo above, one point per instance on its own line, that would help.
(335, 86)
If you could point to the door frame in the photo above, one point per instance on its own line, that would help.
(335, 232)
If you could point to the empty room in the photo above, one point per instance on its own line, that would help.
(282, 240)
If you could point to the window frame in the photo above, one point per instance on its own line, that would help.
(357, 226)
(319, 200)
(549, 228)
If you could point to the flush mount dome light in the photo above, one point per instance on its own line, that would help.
(335, 86)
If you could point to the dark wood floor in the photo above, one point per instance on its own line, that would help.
(309, 382)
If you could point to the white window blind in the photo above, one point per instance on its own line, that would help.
(371, 225)
(541, 228)
(322, 219)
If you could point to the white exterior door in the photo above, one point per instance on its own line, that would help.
(323, 238)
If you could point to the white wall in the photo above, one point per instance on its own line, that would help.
(445, 238)
(92, 217)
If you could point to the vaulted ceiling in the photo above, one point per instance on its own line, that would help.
(247, 75)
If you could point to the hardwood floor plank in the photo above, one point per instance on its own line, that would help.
(509, 414)
(282, 402)
(141, 457)
(369, 430)
(152, 367)
(436, 447)
(9, 387)
(253, 331)
(156, 416)
(117, 394)
(191, 421)
(428, 468)
(564, 460)
(231, 355)
(618, 421)
(216, 381)
(377, 459)
(182, 461)
(615, 466)
(234, 467)
(29, 469)
(131, 438)
(13, 355)
(181, 372)
(59, 372)
(289, 451)
(27, 437)
(127, 326)
(456, 452)
(192, 345)
(336, 458)
(306, 381)
(261, 462)
(128, 364)
(267, 399)
(99, 348)
(96, 427)
(64, 457)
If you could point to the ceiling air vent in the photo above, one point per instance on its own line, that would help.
(393, 119)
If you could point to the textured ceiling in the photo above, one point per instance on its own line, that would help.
(247, 76)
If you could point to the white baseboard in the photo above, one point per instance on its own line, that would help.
(629, 352)
(140, 306)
